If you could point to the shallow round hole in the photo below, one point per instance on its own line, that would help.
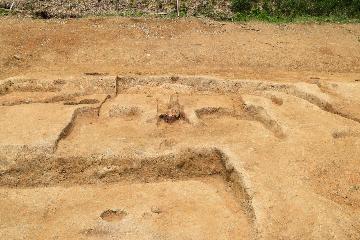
(112, 215)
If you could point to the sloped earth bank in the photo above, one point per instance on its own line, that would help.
(178, 157)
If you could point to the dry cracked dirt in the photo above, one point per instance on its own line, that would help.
(178, 155)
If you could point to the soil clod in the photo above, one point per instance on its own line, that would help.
(174, 111)
(113, 215)
(155, 209)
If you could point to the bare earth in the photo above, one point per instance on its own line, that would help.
(116, 128)
(153, 46)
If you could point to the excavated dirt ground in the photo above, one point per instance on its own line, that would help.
(114, 129)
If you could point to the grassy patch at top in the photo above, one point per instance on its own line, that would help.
(295, 19)
(297, 10)
(4, 12)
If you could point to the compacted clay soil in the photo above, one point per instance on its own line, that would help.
(115, 128)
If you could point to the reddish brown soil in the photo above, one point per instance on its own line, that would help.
(186, 46)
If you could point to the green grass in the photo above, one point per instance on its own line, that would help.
(264, 17)
(4, 12)
(128, 13)
(280, 11)
(131, 13)
(241, 17)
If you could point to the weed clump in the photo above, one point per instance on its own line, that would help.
(288, 10)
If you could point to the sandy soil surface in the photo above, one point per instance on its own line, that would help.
(163, 210)
(195, 47)
(114, 129)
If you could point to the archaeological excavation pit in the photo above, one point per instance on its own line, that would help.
(165, 157)
(160, 196)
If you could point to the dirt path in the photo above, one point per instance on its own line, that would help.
(193, 47)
